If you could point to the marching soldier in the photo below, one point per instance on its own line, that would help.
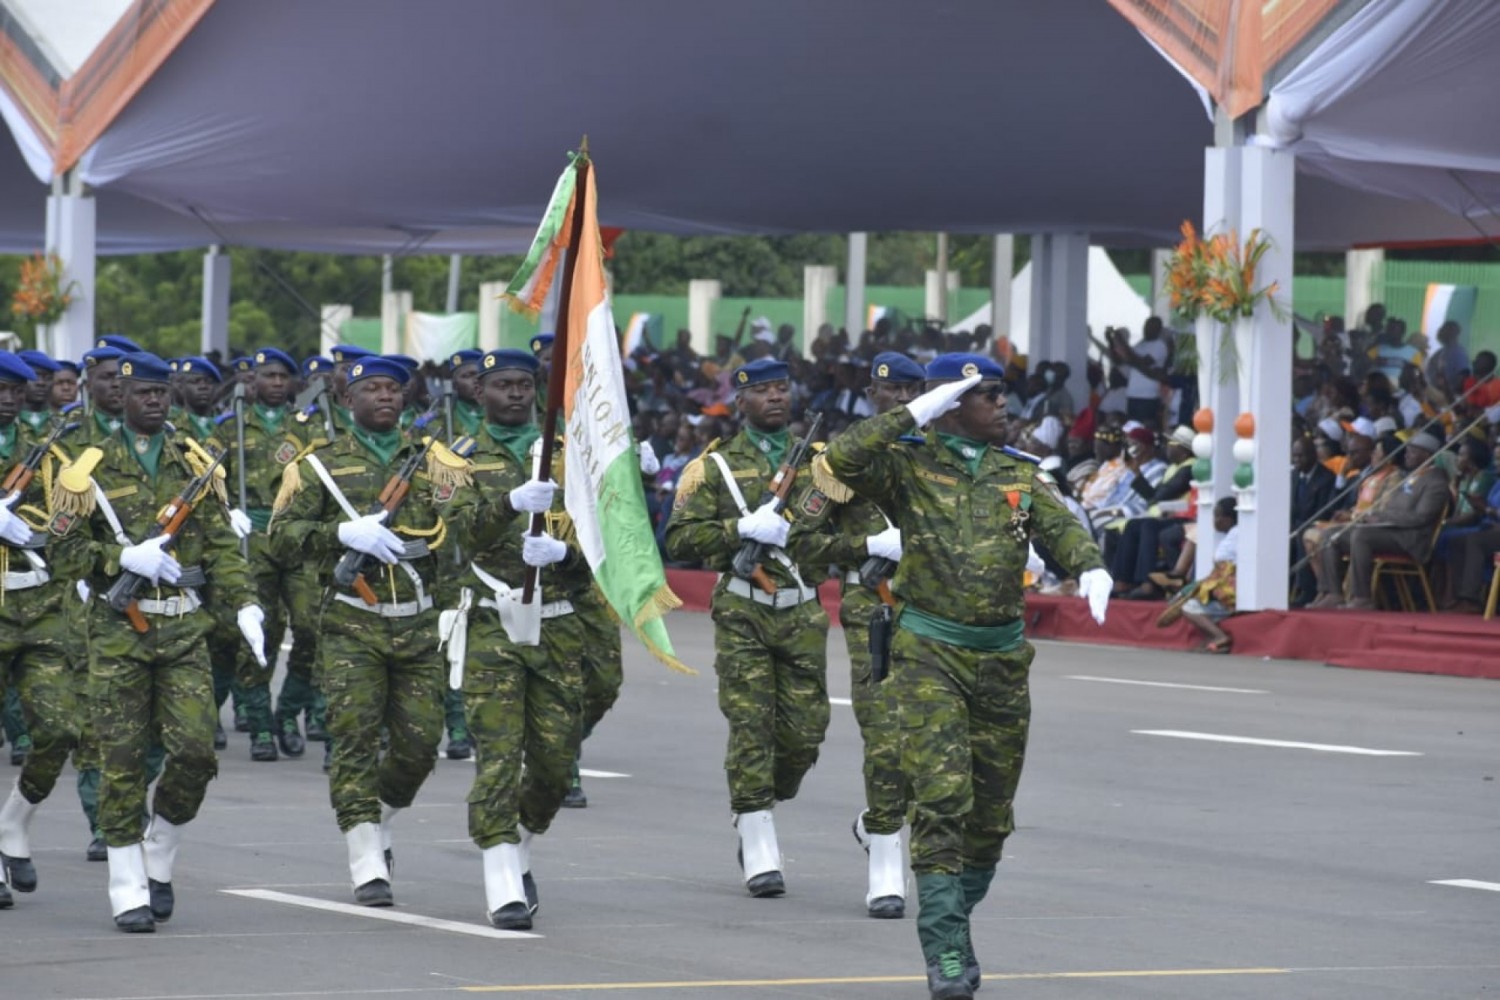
(959, 658)
(379, 664)
(148, 669)
(771, 646)
(36, 409)
(105, 400)
(64, 385)
(463, 372)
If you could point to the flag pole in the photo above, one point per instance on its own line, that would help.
(557, 377)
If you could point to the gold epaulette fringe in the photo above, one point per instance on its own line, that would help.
(692, 474)
(445, 468)
(73, 491)
(828, 483)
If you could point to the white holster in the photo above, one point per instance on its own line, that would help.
(453, 633)
(522, 622)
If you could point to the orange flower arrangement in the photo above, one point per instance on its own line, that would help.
(1216, 278)
(40, 297)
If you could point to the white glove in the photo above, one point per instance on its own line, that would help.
(369, 536)
(240, 522)
(12, 528)
(650, 464)
(149, 560)
(935, 402)
(886, 545)
(533, 496)
(1034, 564)
(84, 593)
(253, 627)
(765, 525)
(542, 550)
(1094, 586)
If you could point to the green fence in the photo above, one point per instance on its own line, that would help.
(1402, 286)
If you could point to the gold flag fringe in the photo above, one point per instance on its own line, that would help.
(656, 606)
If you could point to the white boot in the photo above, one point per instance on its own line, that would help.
(523, 850)
(504, 892)
(886, 896)
(387, 814)
(15, 841)
(367, 868)
(160, 848)
(127, 886)
(760, 856)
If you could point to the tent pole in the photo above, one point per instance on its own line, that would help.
(854, 287)
(455, 270)
(1002, 270)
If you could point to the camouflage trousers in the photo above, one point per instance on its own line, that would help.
(34, 652)
(964, 716)
(289, 596)
(875, 711)
(773, 689)
(145, 688)
(379, 673)
(603, 666)
(524, 705)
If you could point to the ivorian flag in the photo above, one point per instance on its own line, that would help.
(602, 486)
(1445, 302)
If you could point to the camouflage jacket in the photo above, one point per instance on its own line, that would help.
(704, 524)
(269, 450)
(959, 531)
(35, 508)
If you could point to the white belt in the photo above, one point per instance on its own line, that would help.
(403, 609)
(555, 609)
(171, 607)
(852, 578)
(783, 598)
(24, 581)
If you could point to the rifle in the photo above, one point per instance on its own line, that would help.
(350, 571)
(880, 642)
(317, 393)
(239, 457)
(747, 561)
(16, 482)
(170, 522)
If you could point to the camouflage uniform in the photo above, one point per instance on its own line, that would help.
(960, 682)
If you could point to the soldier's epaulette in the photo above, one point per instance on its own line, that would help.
(692, 474)
(447, 469)
(198, 459)
(1024, 456)
(291, 481)
(307, 414)
(72, 493)
(221, 418)
(827, 483)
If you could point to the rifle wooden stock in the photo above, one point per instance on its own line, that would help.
(136, 619)
(361, 586)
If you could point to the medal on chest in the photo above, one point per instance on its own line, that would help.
(142, 445)
(1020, 513)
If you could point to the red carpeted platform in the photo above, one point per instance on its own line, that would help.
(1456, 645)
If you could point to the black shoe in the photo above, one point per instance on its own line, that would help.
(575, 799)
(96, 851)
(460, 747)
(376, 892)
(888, 908)
(19, 751)
(945, 977)
(241, 720)
(19, 872)
(290, 740)
(263, 748)
(512, 917)
(221, 738)
(766, 885)
(327, 756)
(316, 732)
(533, 901)
(971, 969)
(137, 921)
(162, 900)
(6, 902)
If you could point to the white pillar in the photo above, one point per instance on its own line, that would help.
(1221, 212)
(854, 286)
(455, 270)
(1361, 270)
(935, 304)
(702, 294)
(387, 274)
(491, 306)
(215, 334)
(331, 323)
(1059, 306)
(1002, 273)
(1267, 182)
(71, 235)
(1161, 300)
(817, 281)
(394, 308)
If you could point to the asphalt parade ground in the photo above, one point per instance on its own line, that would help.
(1190, 827)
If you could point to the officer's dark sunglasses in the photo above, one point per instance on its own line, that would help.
(994, 391)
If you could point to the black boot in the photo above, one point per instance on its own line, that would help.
(512, 917)
(137, 921)
(241, 720)
(376, 892)
(460, 746)
(533, 901)
(327, 756)
(946, 979)
(575, 799)
(19, 872)
(263, 748)
(317, 732)
(289, 738)
(6, 902)
(221, 738)
(96, 851)
(162, 900)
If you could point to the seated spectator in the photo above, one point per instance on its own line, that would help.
(1474, 479)
(1312, 489)
(1204, 603)
(1377, 472)
(1473, 554)
(1111, 471)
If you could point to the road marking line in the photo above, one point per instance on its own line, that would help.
(840, 701)
(1468, 883)
(856, 980)
(584, 772)
(1164, 684)
(1290, 744)
(391, 916)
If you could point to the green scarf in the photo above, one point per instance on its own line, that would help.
(36, 419)
(203, 427)
(7, 441)
(384, 444)
(516, 440)
(108, 424)
(468, 416)
(772, 444)
(971, 451)
(150, 455)
(270, 417)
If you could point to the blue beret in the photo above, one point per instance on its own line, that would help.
(541, 342)
(952, 367)
(98, 354)
(243, 363)
(496, 361)
(375, 366)
(468, 356)
(890, 366)
(409, 363)
(38, 361)
(272, 356)
(143, 367)
(119, 343)
(199, 366)
(315, 364)
(761, 370)
(348, 352)
(13, 369)
(71, 366)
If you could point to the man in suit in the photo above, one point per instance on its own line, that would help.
(1312, 488)
(1402, 522)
